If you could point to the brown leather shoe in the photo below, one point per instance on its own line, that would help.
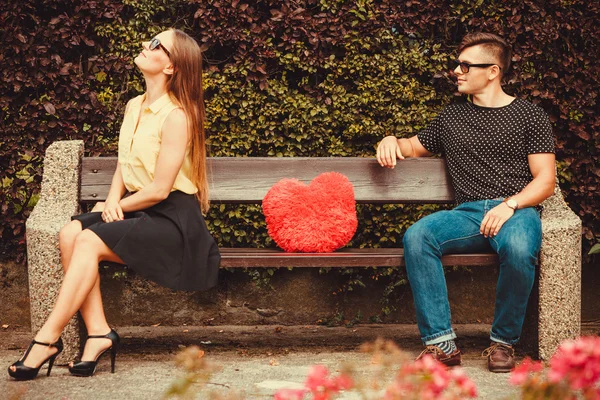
(449, 360)
(501, 357)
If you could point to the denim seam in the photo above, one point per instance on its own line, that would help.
(512, 342)
(454, 240)
(449, 332)
(536, 257)
(494, 240)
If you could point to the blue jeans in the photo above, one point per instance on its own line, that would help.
(457, 231)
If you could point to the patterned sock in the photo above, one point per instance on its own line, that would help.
(447, 347)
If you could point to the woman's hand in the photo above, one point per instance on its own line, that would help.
(112, 211)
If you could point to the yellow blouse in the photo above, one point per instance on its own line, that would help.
(139, 147)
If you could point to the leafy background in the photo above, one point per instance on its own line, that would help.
(289, 78)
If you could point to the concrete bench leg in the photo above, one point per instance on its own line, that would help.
(59, 199)
(559, 276)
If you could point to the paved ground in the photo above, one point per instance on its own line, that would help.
(254, 361)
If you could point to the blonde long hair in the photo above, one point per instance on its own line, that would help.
(185, 85)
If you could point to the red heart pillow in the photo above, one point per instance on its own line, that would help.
(319, 217)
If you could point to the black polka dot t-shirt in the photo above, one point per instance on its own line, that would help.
(486, 148)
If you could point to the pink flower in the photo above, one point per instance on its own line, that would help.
(468, 388)
(396, 390)
(427, 379)
(343, 382)
(558, 372)
(577, 361)
(289, 394)
(322, 387)
(465, 385)
(520, 374)
(436, 374)
(430, 364)
(317, 378)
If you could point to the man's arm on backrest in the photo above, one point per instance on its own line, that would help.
(391, 148)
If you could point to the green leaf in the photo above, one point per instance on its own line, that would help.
(101, 76)
(595, 249)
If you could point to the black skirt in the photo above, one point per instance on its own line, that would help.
(167, 243)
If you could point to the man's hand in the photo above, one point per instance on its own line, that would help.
(112, 211)
(494, 219)
(387, 152)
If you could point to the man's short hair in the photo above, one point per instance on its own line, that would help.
(492, 44)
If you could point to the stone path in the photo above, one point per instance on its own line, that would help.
(254, 361)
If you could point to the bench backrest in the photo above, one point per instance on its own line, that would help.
(246, 180)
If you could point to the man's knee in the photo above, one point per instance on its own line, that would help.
(417, 235)
(519, 251)
(411, 235)
(521, 239)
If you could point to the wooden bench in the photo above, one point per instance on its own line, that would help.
(247, 180)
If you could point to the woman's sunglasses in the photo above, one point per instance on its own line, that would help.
(155, 43)
(465, 66)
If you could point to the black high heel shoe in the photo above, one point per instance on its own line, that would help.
(87, 368)
(25, 373)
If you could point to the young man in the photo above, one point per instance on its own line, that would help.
(500, 155)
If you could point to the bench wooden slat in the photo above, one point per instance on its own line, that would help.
(242, 180)
(246, 258)
(272, 258)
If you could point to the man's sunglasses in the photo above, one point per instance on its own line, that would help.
(155, 43)
(465, 66)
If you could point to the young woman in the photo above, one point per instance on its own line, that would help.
(152, 218)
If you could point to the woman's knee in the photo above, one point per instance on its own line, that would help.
(88, 241)
(98, 207)
(68, 233)
(90, 244)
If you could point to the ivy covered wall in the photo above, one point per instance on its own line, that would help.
(289, 78)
